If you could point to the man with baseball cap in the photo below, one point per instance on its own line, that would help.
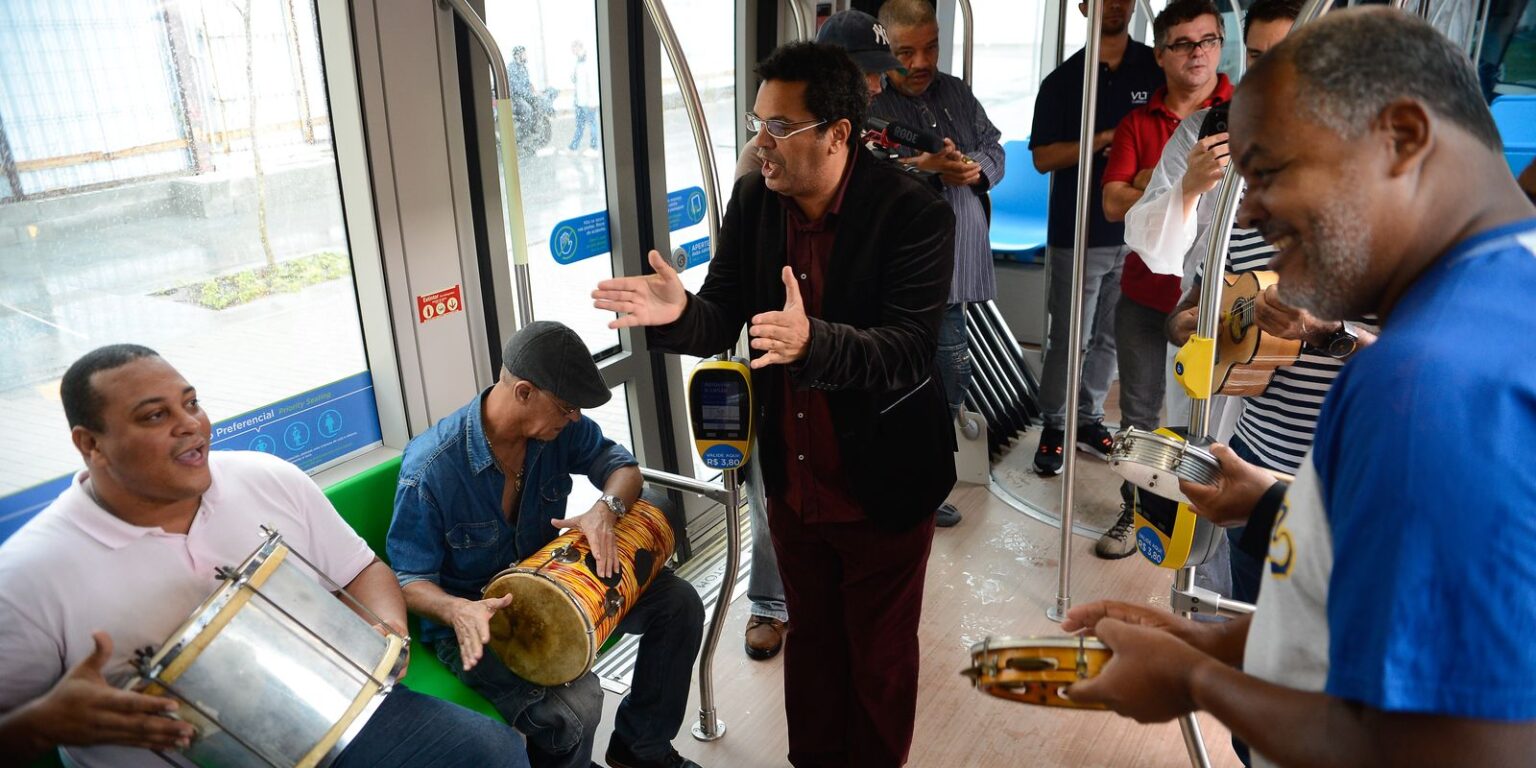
(865, 41)
(485, 488)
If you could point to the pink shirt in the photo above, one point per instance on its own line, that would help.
(75, 569)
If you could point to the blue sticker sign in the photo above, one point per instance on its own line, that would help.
(723, 456)
(691, 254)
(1150, 545)
(685, 208)
(580, 238)
(309, 429)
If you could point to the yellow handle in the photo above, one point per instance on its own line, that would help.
(1193, 365)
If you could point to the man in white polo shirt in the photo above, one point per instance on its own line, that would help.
(128, 552)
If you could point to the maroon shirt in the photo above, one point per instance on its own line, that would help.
(815, 487)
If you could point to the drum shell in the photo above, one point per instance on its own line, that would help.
(561, 612)
(286, 670)
(992, 672)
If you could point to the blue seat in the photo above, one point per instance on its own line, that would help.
(1515, 116)
(1020, 205)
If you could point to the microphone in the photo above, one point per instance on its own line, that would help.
(890, 133)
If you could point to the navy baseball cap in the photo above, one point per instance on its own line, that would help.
(863, 38)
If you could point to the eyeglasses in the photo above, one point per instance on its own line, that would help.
(565, 410)
(780, 129)
(1187, 47)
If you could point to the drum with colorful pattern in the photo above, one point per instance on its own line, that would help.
(561, 612)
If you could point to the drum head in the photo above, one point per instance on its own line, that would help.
(543, 636)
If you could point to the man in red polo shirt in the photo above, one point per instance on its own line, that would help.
(1188, 48)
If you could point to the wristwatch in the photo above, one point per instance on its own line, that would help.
(616, 504)
(1342, 343)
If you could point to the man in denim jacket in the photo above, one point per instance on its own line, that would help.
(484, 489)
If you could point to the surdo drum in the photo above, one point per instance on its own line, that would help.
(561, 612)
(272, 669)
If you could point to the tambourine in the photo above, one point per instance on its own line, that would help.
(1156, 461)
(1035, 670)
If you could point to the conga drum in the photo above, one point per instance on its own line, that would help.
(272, 670)
(1035, 670)
(561, 612)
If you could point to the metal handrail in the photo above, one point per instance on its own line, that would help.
(802, 29)
(691, 102)
(968, 42)
(1074, 317)
(506, 132)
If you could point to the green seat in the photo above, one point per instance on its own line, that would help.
(367, 502)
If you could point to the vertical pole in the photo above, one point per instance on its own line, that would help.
(1074, 318)
(710, 728)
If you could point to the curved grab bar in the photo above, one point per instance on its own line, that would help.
(506, 132)
(693, 105)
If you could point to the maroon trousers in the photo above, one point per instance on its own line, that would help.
(855, 595)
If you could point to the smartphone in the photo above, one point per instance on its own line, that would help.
(1215, 121)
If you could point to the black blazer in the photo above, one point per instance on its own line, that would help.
(873, 348)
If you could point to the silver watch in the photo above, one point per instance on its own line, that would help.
(616, 504)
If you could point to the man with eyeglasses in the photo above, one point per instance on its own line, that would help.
(1188, 48)
(971, 164)
(857, 33)
(839, 265)
(485, 488)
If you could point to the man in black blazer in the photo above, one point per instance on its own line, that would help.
(840, 264)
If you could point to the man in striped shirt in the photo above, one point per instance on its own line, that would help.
(971, 164)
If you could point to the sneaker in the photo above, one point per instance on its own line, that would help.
(1120, 540)
(1096, 439)
(619, 756)
(1048, 456)
(947, 516)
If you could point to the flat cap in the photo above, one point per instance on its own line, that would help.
(552, 357)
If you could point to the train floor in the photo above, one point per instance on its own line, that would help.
(994, 574)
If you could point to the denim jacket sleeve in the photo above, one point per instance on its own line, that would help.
(590, 452)
(415, 534)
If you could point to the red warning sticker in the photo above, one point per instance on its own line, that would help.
(439, 303)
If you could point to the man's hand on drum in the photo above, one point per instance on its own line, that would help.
(1238, 489)
(82, 708)
(1208, 637)
(597, 525)
(657, 299)
(472, 625)
(1148, 679)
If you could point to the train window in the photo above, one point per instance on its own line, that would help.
(1007, 59)
(552, 62)
(705, 29)
(168, 178)
(1517, 71)
(613, 417)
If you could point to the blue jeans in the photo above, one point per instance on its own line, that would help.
(1247, 571)
(1101, 292)
(954, 356)
(561, 721)
(412, 730)
(585, 116)
(765, 588)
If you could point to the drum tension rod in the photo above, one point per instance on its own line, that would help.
(367, 674)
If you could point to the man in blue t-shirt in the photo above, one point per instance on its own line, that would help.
(1128, 76)
(1395, 622)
